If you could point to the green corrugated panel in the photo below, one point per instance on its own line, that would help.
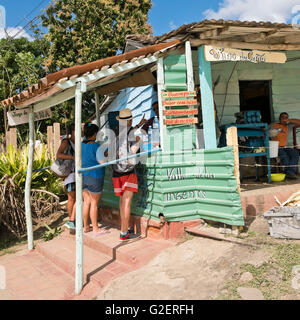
(175, 73)
(196, 184)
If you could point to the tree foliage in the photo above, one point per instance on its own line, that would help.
(21, 65)
(81, 31)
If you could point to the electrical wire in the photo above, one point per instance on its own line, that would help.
(18, 24)
(227, 90)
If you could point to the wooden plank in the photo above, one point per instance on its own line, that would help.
(244, 45)
(232, 140)
(50, 140)
(180, 112)
(56, 129)
(7, 139)
(181, 121)
(13, 137)
(178, 94)
(173, 103)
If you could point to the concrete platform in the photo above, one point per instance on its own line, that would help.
(48, 272)
(259, 197)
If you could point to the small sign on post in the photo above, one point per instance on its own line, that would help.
(18, 117)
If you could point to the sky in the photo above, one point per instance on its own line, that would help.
(166, 15)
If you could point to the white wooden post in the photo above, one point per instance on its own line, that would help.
(97, 105)
(28, 180)
(80, 88)
(190, 81)
(160, 88)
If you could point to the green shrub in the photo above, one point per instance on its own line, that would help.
(15, 162)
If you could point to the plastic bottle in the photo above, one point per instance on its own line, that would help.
(155, 133)
(150, 137)
(145, 142)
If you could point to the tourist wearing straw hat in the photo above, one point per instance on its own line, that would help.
(124, 175)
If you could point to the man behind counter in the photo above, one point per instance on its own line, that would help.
(288, 156)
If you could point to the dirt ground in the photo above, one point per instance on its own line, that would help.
(257, 268)
(252, 266)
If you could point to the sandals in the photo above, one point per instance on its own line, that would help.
(101, 233)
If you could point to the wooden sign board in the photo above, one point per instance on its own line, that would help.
(227, 54)
(180, 112)
(18, 117)
(181, 121)
(173, 103)
(179, 94)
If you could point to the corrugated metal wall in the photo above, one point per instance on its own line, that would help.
(186, 186)
(139, 100)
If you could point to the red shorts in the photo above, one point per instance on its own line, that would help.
(128, 182)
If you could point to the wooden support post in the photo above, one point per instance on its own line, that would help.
(97, 106)
(7, 139)
(13, 137)
(56, 129)
(28, 180)
(80, 88)
(160, 88)
(232, 140)
(50, 141)
(190, 82)
(207, 101)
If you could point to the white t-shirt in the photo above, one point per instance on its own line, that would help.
(71, 177)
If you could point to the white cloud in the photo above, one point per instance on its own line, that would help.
(172, 25)
(15, 32)
(255, 10)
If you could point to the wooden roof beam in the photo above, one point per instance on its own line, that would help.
(244, 45)
(213, 33)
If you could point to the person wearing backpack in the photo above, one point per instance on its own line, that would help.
(69, 181)
(92, 181)
(124, 175)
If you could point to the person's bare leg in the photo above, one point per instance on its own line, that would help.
(71, 203)
(126, 204)
(123, 230)
(95, 198)
(73, 216)
(86, 210)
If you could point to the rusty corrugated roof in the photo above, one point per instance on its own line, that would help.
(47, 84)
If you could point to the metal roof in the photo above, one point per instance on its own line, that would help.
(95, 74)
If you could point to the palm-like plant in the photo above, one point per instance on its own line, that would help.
(15, 161)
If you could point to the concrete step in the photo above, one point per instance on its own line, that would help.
(135, 253)
(99, 268)
(32, 277)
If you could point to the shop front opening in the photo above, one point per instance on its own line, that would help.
(256, 95)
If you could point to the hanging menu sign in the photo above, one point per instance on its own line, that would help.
(228, 54)
(17, 117)
(178, 94)
(173, 103)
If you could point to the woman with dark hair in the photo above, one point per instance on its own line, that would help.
(92, 181)
(69, 181)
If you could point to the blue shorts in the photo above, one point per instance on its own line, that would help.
(91, 184)
(70, 187)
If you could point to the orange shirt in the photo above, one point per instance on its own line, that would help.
(282, 136)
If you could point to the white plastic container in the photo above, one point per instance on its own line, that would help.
(273, 148)
(298, 142)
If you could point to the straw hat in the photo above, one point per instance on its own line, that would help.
(125, 114)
